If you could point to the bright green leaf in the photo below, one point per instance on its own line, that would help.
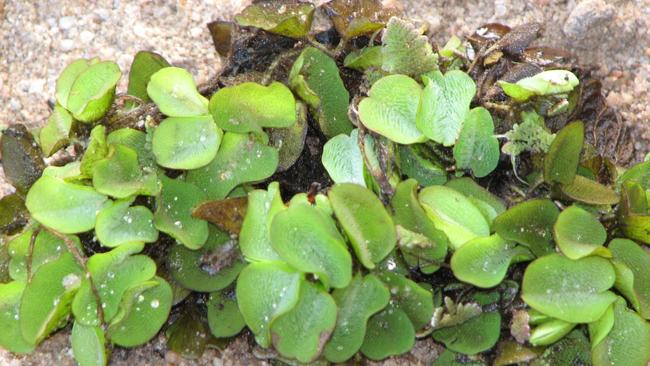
(88, 345)
(390, 332)
(11, 337)
(92, 91)
(635, 285)
(413, 299)
(266, 290)
(118, 175)
(255, 234)
(454, 214)
(628, 343)
(186, 142)
(578, 233)
(248, 107)
(391, 107)
(570, 290)
(547, 82)
(484, 262)
(174, 92)
(362, 298)
(300, 333)
(56, 131)
(309, 241)
(240, 159)
(444, 106)
(119, 224)
(66, 207)
(365, 221)
(550, 332)
(173, 214)
(343, 160)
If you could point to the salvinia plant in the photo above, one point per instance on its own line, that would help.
(333, 194)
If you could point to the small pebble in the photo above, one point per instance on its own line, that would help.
(66, 23)
(588, 15)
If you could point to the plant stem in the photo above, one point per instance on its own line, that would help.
(30, 253)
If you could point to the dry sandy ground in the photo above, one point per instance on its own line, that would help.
(39, 37)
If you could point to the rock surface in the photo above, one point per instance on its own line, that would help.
(38, 38)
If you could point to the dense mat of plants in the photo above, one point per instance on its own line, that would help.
(337, 194)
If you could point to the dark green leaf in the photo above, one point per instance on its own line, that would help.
(561, 162)
(22, 160)
(145, 64)
(529, 223)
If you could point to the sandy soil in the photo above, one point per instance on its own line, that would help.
(39, 37)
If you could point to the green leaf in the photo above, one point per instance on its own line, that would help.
(88, 345)
(113, 274)
(405, 50)
(174, 92)
(68, 76)
(213, 267)
(47, 248)
(561, 162)
(628, 343)
(389, 333)
(286, 18)
(145, 64)
(417, 162)
(224, 317)
(571, 290)
(45, 304)
(22, 160)
(143, 313)
(444, 106)
(343, 160)
(599, 329)
(391, 107)
(118, 175)
(241, 158)
(141, 144)
(119, 224)
(309, 241)
(315, 78)
(365, 221)
(248, 107)
(255, 234)
(490, 205)
(56, 132)
(591, 192)
(302, 331)
(634, 285)
(484, 262)
(473, 336)
(11, 337)
(578, 233)
(92, 91)
(477, 149)
(547, 82)
(529, 223)
(173, 214)
(367, 57)
(66, 207)
(550, 332)
(186, 142)
(639, 173)
(413, 299)
(97, 150)
(409, 214)
(357, 302)
(266, 290)
(454, 214)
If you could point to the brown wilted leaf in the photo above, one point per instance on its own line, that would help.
(227, 215)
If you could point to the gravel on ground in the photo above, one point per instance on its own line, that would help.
(39, 37)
